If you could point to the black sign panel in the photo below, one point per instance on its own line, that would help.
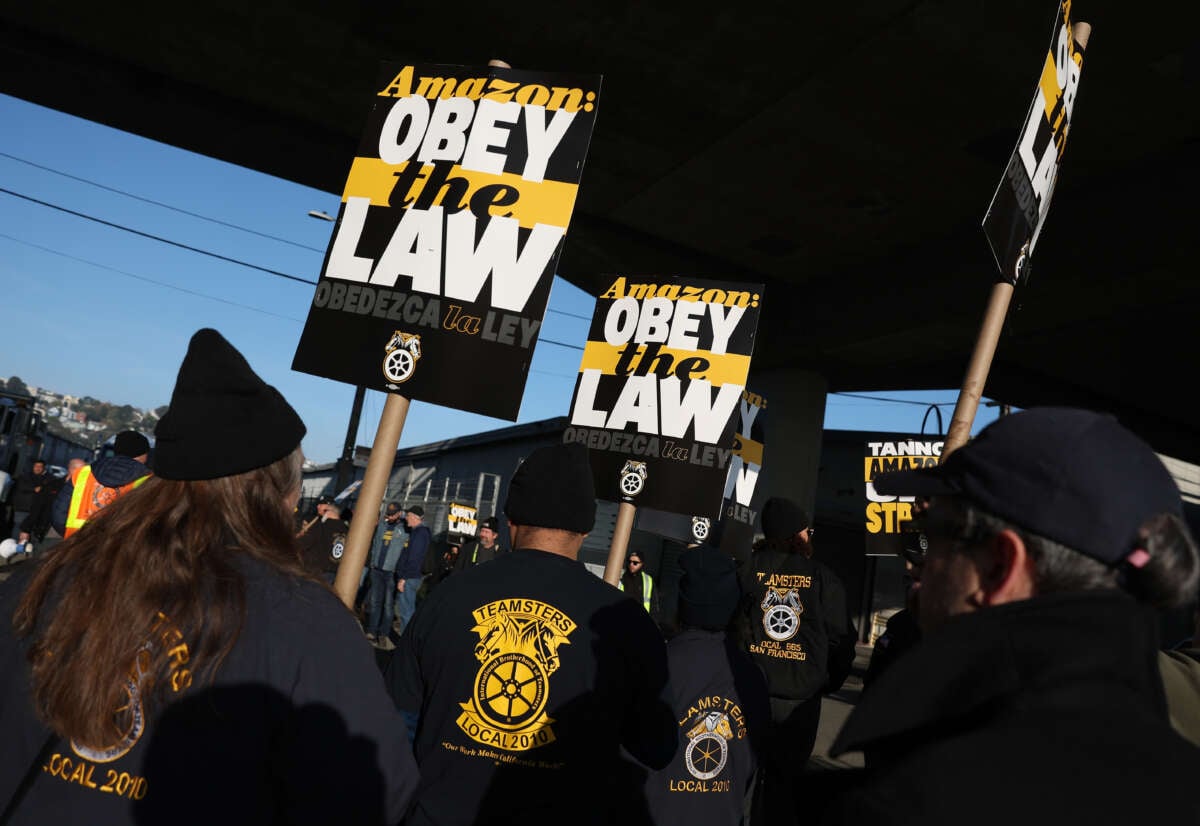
(1018, 209)
(659, 384)
(733, 531)
(452, 221)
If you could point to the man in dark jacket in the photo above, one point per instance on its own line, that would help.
(639, 586)
(1034, 696)
(530, 674)
(25, 494)
(322, 544)
(36, 524)
(93, 486)
(720, 703)
(483, 548)
(801, 635)
(409, 570)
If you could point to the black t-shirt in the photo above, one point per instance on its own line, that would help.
(721, 707)
(295, 728)
(530, 673)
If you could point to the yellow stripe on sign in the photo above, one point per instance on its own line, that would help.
(886, 464)
(547, 202)
(1050, 91)
(750, 450)
(729, 368)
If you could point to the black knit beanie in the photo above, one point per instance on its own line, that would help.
(223, 419)
(130, 443)
(553, 488)
(708, 590)
(783, 518)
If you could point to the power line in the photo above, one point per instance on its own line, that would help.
(893, 401)
(209, 253)
(158, 203)
(148, 280)
(159, 238)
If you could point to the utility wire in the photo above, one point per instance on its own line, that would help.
(210, 254)
(147, 280)
(158, 203)
(893, 401)
(123, 228)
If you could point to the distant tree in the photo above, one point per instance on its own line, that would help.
(159, 412)
(15, 385)
(120, 418)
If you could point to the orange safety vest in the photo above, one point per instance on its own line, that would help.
(90, 496)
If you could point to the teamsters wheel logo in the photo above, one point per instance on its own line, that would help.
(781, 613)
(708, 746)
(701, 525)
(403, 352)
(633, 478)
(510, 691)
(339, 546)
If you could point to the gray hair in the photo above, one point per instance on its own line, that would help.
(1168, 579)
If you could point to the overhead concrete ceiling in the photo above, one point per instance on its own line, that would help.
(843, 154)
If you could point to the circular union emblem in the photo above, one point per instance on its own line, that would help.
(131, 735)
(104, 497)
(780, 622)
(398, 365)
(706, 755)
(339, 547)
(700, 528)
(631, 484)
(510, 691)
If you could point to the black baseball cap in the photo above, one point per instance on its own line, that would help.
(325, 500)
(1073, 476)
(491, 523)
(394, 507)
(417, 509)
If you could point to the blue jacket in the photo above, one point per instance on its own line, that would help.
(413, 555)
(385, 552)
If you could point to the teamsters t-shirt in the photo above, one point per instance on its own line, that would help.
(296, 728)
(530, 673)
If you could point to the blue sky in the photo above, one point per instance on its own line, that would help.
(94, 310)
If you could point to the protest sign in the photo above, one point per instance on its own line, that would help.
(452, 221)
(656, 400)
(887, 518)
(1018, 209)
(462, 521)
(733, 531)
(1019, 206)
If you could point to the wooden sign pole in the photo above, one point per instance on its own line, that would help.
(620, 543)
(370, 497)
(989, 335)
(977, 371)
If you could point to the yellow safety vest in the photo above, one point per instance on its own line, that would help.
(90, 496)
(646, 591)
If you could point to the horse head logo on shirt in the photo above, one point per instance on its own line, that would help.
(517, 650)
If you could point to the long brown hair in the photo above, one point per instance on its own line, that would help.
(167, 549)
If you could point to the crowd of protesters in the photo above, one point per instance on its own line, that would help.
(179, 655)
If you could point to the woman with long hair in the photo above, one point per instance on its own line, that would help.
(173, 661)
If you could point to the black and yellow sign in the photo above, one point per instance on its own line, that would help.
(1018, 209)
(733, 532)
(517, 652)
(886, 518)
(662, 373)
(462, 521)
(452, 221)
